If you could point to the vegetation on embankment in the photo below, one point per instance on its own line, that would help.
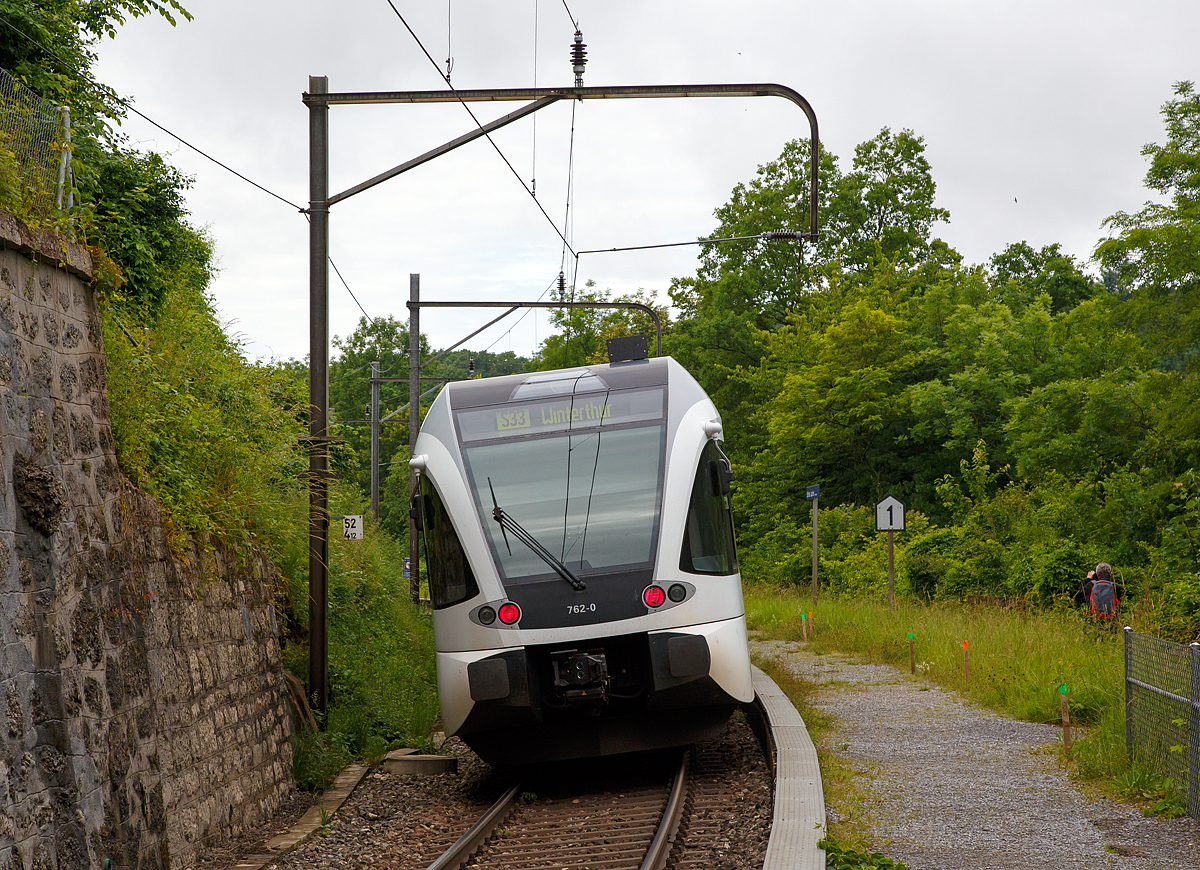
(1037, 414)
(1018, 660)
(215, 437)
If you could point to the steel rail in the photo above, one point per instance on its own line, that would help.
(461, 851)
(664, 837)
(547, 96)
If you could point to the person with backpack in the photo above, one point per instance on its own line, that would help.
(1099, 591)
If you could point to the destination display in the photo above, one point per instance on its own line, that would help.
(557, 415)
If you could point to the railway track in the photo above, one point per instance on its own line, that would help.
(598, 813)
(647, 817)
(630, 830)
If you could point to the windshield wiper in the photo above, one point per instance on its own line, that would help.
(508, 524)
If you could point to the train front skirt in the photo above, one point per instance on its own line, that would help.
(596, 697)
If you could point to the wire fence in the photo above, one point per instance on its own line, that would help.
(1162, 710)
(35, 150)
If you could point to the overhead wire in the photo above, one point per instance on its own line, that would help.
(94, 86)
(449, 59)
(486, 134)
(574, 20)
(351, 292)
(522, 317)
(533, 167)
(89, 82)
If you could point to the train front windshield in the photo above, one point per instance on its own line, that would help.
(582, 474)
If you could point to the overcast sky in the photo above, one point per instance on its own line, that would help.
(1045, 103)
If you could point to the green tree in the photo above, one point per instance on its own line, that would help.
(385, 340)
(578, 340)
(834, 416)
(885, 202)
(1154, 254)
(1020, 274)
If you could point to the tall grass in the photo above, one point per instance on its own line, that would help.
(1018, 660)
(382, 671)
(217, 440)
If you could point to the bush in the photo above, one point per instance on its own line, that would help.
(318, 759)
(929, 559)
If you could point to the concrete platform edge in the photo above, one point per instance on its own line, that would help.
(799, 818)
(331, 801)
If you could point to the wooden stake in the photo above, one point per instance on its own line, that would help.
(812, 624)
(912, 654)
(804, 627)
(1066, 715)
(966, 662)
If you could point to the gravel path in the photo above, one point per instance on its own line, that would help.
(953, 786)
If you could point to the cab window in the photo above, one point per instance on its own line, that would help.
(708, 535)
(450, 578)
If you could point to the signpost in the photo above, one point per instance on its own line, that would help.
(812, 493)
(352, 527)
(889, 517)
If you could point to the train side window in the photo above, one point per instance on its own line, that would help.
(450, 576)
(708, 535)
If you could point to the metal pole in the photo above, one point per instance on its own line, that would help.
(814, 573)
(1128, 692)
(318, 394)
(1194, 738)
(414, 423)
(375, 440)
(66, 156)
(891, 570)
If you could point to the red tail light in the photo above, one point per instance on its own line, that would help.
(654, 596)
(510, 613)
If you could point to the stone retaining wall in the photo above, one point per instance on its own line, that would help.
(143, 709)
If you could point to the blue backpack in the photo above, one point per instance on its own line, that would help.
(1104, 598)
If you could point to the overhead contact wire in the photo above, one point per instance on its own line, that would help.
(486, 134)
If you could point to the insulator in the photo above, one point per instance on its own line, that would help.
(470, 368)
(578, 58)
(562, 287)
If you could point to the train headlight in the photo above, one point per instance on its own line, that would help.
(677, 592)
(510, 613)
(654, 596)
(487, 615)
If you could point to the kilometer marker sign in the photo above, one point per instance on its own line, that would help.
(889, 515)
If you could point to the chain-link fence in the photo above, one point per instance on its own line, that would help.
(35, 150)
(1162, 709)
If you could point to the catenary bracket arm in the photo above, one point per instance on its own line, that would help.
(546, 96)
(477, 133)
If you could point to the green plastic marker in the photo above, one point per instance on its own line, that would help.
(1066, 716)
(910, 637)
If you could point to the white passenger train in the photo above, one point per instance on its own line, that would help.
(580, 554)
